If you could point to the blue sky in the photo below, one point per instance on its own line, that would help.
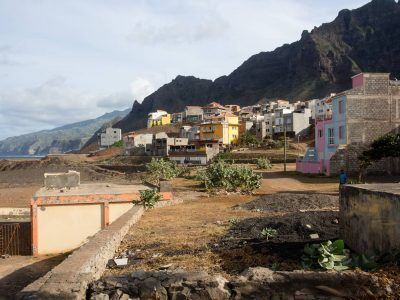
(67, 61)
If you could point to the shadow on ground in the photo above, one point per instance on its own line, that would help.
(11, 284)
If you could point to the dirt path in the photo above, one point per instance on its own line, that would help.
(16, 272)
(188, 235)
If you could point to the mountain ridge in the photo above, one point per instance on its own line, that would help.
(67, 137)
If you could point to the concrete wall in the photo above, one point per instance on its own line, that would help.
(370, 217)
(66, 227)
(118, 209)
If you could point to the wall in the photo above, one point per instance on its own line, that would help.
(370, 217)
(63, 228)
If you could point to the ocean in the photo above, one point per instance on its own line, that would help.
(21, 157)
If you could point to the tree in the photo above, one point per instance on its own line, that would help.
(248, 139)
(385, 146)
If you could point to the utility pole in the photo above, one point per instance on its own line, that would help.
(284, 145)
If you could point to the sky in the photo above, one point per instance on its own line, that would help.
(68, 61)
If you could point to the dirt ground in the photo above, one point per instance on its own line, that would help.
(212, 234)
(19, 180)
(16, 272)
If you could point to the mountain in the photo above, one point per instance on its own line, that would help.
(322, 61)
(65, 138)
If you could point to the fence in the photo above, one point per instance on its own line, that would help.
(15, 238)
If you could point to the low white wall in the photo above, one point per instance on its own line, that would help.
(118, 209)
(65, 227)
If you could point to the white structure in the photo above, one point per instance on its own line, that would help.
(297, 121)
(110, 136)
(155, 116)
(279, 117)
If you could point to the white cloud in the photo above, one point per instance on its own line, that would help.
(141, 88)
(178, 32)
(52, 104)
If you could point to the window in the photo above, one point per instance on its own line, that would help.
(320, 133)
(340, 106)
(331, 137)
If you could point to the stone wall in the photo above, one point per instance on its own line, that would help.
(372, 111)
(370, 217)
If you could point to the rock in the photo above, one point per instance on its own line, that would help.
(167, 266)
(314, 236)
(257, 274)
(335, 221)
(121, 262)
(101, 296)
(140, 274)
(308, 226)
(151, 288)
(156, 255)
(124, 297)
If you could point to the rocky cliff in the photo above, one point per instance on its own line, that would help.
(322, 61)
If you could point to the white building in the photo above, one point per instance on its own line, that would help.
(297, 121)
(110, 136)
(279, 117)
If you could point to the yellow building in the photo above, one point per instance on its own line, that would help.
(158, 118)
(223, 128)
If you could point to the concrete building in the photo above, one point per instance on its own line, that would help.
(233, 108)
(192, 114)
(213, 109)
(359, 116)
(162, 143)
(279, 118)
(192, 133)
(198, 153)
(223, 129)
(298, 121)
(158, 118)
(138, 144)
(176, 118)
(110, 136)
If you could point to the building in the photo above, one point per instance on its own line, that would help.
(192, 133)
(245, 126)
(197, 153)
(162, 143)
(158, 118)
(192, 114)
(213, 109)
(298, 121)
(233, 108)
(357, 117)
(110, 136)
(279, 118)
(138, 144)
(176, 118)
(223, 128)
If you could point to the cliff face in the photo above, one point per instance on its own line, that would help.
(322, 61)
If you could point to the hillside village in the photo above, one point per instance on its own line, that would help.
(279, 181)
(338, 123)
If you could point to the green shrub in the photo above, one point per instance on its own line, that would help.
(268, 233)
(248, 139)
(327, 255)
(222, 176)
(118, 144)
(148, 198)
(162, 169)
(263, 163)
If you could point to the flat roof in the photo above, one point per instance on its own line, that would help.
(92, 189)
(388, 188)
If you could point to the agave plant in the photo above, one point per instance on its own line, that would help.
(327, 255)
(268, 233)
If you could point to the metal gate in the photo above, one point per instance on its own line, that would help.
(15, 238)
